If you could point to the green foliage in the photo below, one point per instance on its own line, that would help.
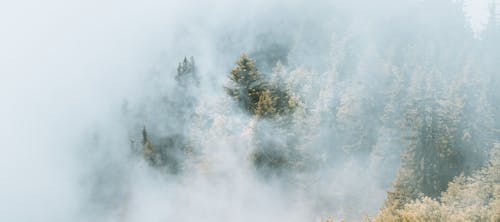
(247, 84)
(166, 152)
(431, 107)
(269, 54)
(433, 156)
(472, 198)
(264, 99)
(269, 159)
(169, 151)
(256, 95)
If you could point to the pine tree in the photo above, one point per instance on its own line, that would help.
(165, 152)
(467, 198)
(433, 156)
(185, 96)
(256, 95)
(148, 151)
(266, 105)
(187, 72)
(247, 84)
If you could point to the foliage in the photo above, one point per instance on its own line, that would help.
(424, 96)
(165, 152)
(471, 198)
(256, 95)
(169, 151)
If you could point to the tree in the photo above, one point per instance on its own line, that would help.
(467, 198)
(435, 151)
(266, 104)
(187, 72)
(168, 151)
(256, 95)
(165, 152)
(147, 147)
(247, 84)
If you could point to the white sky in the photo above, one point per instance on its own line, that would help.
(478, 12)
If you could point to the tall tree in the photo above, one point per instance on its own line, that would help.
(187, 72)
(247, 84)
(256, 95)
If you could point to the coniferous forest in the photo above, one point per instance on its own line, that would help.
(412, 111)
(408, 107)
(296, 111)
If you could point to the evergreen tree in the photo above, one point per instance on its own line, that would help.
(168, 151)
(434, 155)
(187, 72)
(467, 198)
(165, 152)
(266, 105)
(147, 147)
(489, 55)
(255, 94)
(247, 84)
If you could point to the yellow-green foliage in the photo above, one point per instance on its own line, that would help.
(473, 198)
(256, 95)
(246, 84)
(147, 146)
(165, 152)
(266, 105)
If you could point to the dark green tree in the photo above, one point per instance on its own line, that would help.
(434, 154)
(255, 94)
(247, 84)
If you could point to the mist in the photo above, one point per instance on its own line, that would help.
(98, 123)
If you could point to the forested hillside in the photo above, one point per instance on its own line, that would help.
(356, 114)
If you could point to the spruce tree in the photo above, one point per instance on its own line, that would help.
(187, 72)
(247, 84)
(433, 156)
(256, 95)
(148, 151)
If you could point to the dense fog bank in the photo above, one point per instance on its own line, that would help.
(250, 111)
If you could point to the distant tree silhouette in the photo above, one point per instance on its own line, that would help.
(187, 72)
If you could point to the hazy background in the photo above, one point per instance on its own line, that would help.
(67, 66)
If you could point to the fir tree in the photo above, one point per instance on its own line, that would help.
(247, 84)
(187, 72)
(255, 94)
(467, 198)
(147, 147)
(433, 156)
(165, 152)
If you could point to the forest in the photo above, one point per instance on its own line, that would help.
(394, 122)
(284, 110)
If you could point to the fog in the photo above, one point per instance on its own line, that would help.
(80, 79)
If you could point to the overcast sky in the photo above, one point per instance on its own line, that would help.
(478, 10)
